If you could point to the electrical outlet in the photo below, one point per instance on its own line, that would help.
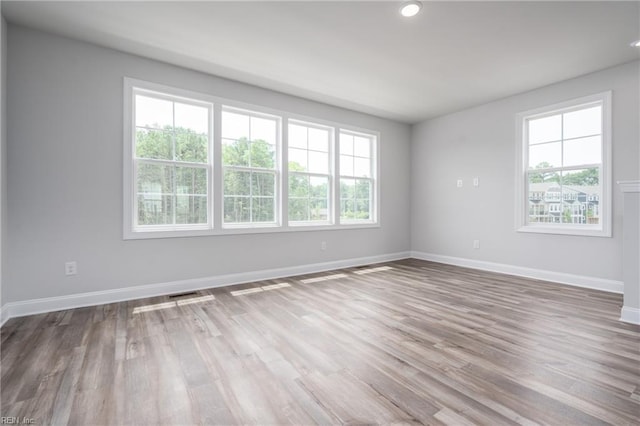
(323, 245)
(459, 183)
(476, 244)
(70, 268)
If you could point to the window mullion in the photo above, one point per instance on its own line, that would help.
(160, 112)
(283, 182)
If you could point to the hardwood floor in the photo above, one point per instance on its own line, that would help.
(404, 342)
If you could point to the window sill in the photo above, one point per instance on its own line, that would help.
(154, 234)
(581, 231)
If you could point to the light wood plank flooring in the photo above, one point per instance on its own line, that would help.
(405, 342)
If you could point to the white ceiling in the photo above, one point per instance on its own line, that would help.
(362, 55)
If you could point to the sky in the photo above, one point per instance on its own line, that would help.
(565, 140)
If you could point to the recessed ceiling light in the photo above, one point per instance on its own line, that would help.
(410, 8)
(636, 43)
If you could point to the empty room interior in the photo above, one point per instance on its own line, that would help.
(320, 212)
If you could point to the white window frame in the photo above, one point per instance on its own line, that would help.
(131, 228)
(215, 182)
(373, 203)
(330, 175)
(276, 172)
(603, 229)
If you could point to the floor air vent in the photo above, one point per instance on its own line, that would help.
(176, 296)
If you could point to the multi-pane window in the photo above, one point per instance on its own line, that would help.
(172, 142)
(565, 159)
(260, 171)
(250, 167)
(310, 169)
(357, 176)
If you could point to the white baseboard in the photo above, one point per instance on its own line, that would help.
(630, 315)
(51, 304)
(79, 300)
(611, 286)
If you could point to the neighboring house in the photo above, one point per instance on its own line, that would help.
(551, 203)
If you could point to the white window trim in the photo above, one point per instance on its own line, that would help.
(215, 195)
(330, 175)
(130, 230)
(277, 171)
(374, 177)
(522, 201)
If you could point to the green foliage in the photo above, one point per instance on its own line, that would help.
(165, 191)
(249, 196)
(159, 145)
(242, 152)
(540, 177)
(355, 199)
(586, 177)
(178, 193)
(307, 196)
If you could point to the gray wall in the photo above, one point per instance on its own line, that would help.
(3, 145)
(481, 142)
(65, 178)
(631, 252)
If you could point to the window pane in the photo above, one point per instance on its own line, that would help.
(545, 155)
(236, 209)
(263, 209)
(363, 209)
(191, 117)
(235, 152)
(545, 129)
(263, 184)
(297, 160)
(155, 179)
(154, 144)
(298, 209)
(319, 187)
(318, 209)
(362, 147)
(318, 162)
(262, 155)
(346, 144)
(155, 194)
(543, 177)
(581, 178)
(155, 209)
(347, 209)
(585, 122)
(298, 185)
(237, 183)
(263, 129)
(347, 188)
(191, 146)
(234, 126)
(318, 139)
(191, 180)
(347, 199)
(582, 151)
(297, 136)
(346, 165)
(363, 188)
(537, 186)
(362, 167)
(153, 112)
(581, 195)
(191, 209)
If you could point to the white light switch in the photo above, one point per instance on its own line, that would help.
(459, 183)
(476, 181)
